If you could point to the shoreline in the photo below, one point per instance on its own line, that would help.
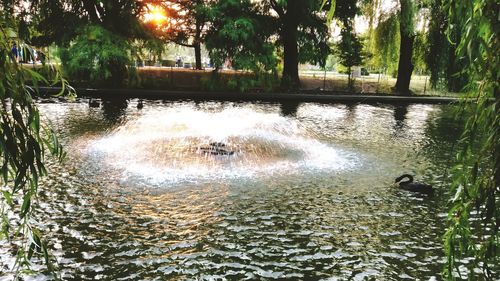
(299, 96)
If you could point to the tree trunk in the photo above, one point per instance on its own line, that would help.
(349, 70)
(197, 44)
(290, 79)
(197, 55)
(496, 148)
(405, 66)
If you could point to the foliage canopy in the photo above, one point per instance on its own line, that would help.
(98, 55)
(239, 34)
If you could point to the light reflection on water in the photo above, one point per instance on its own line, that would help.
(163, 146)
(110, 216)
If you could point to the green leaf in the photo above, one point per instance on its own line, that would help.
(25, 208)
(8, 197)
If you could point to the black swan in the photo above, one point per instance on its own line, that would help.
(216, 148)
(412, 186)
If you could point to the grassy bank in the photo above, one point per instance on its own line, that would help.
(173, 78)
(178, 78)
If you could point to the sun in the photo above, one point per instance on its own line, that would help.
(155, 14)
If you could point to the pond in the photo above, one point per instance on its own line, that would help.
(304, 191)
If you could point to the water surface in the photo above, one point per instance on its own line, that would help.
(306, 196)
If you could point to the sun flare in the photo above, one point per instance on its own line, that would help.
(156, 14)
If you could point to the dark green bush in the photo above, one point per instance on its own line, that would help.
(97, 56)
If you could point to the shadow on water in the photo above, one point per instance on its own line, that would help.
(114, 109)
(351, 111)
(289, 108)
(400, 112)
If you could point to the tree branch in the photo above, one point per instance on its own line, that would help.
(277, 8)
(182, 44)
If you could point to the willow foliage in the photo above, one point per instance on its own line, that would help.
(438, 44)
(446, 68)
(386, 41)
(24, 140)
(474, 217)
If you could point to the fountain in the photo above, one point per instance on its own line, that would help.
(216, 149)
(187, 144)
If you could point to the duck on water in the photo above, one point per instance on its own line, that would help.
(409, 185)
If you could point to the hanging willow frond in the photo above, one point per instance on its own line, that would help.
(24, 139)
(474, 216)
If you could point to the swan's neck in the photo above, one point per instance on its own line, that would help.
(409, 178)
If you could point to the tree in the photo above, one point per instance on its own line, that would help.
(186, 24)
(441, 58)
(474, 217)
(97, 55)
(63, 21)
(407, 37)
(385, 41)
(241, 35)
(302, 35)
(349, 51)
(58, 21)
(405, 22)
(370, 8)
(297, 28)
(438, 43)
(420, 47)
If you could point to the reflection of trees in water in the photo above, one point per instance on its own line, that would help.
(445, 131)
(289, 108)
(80, 123)
(114, 109)
(400, 112)
(100, 115)
(351, 110)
